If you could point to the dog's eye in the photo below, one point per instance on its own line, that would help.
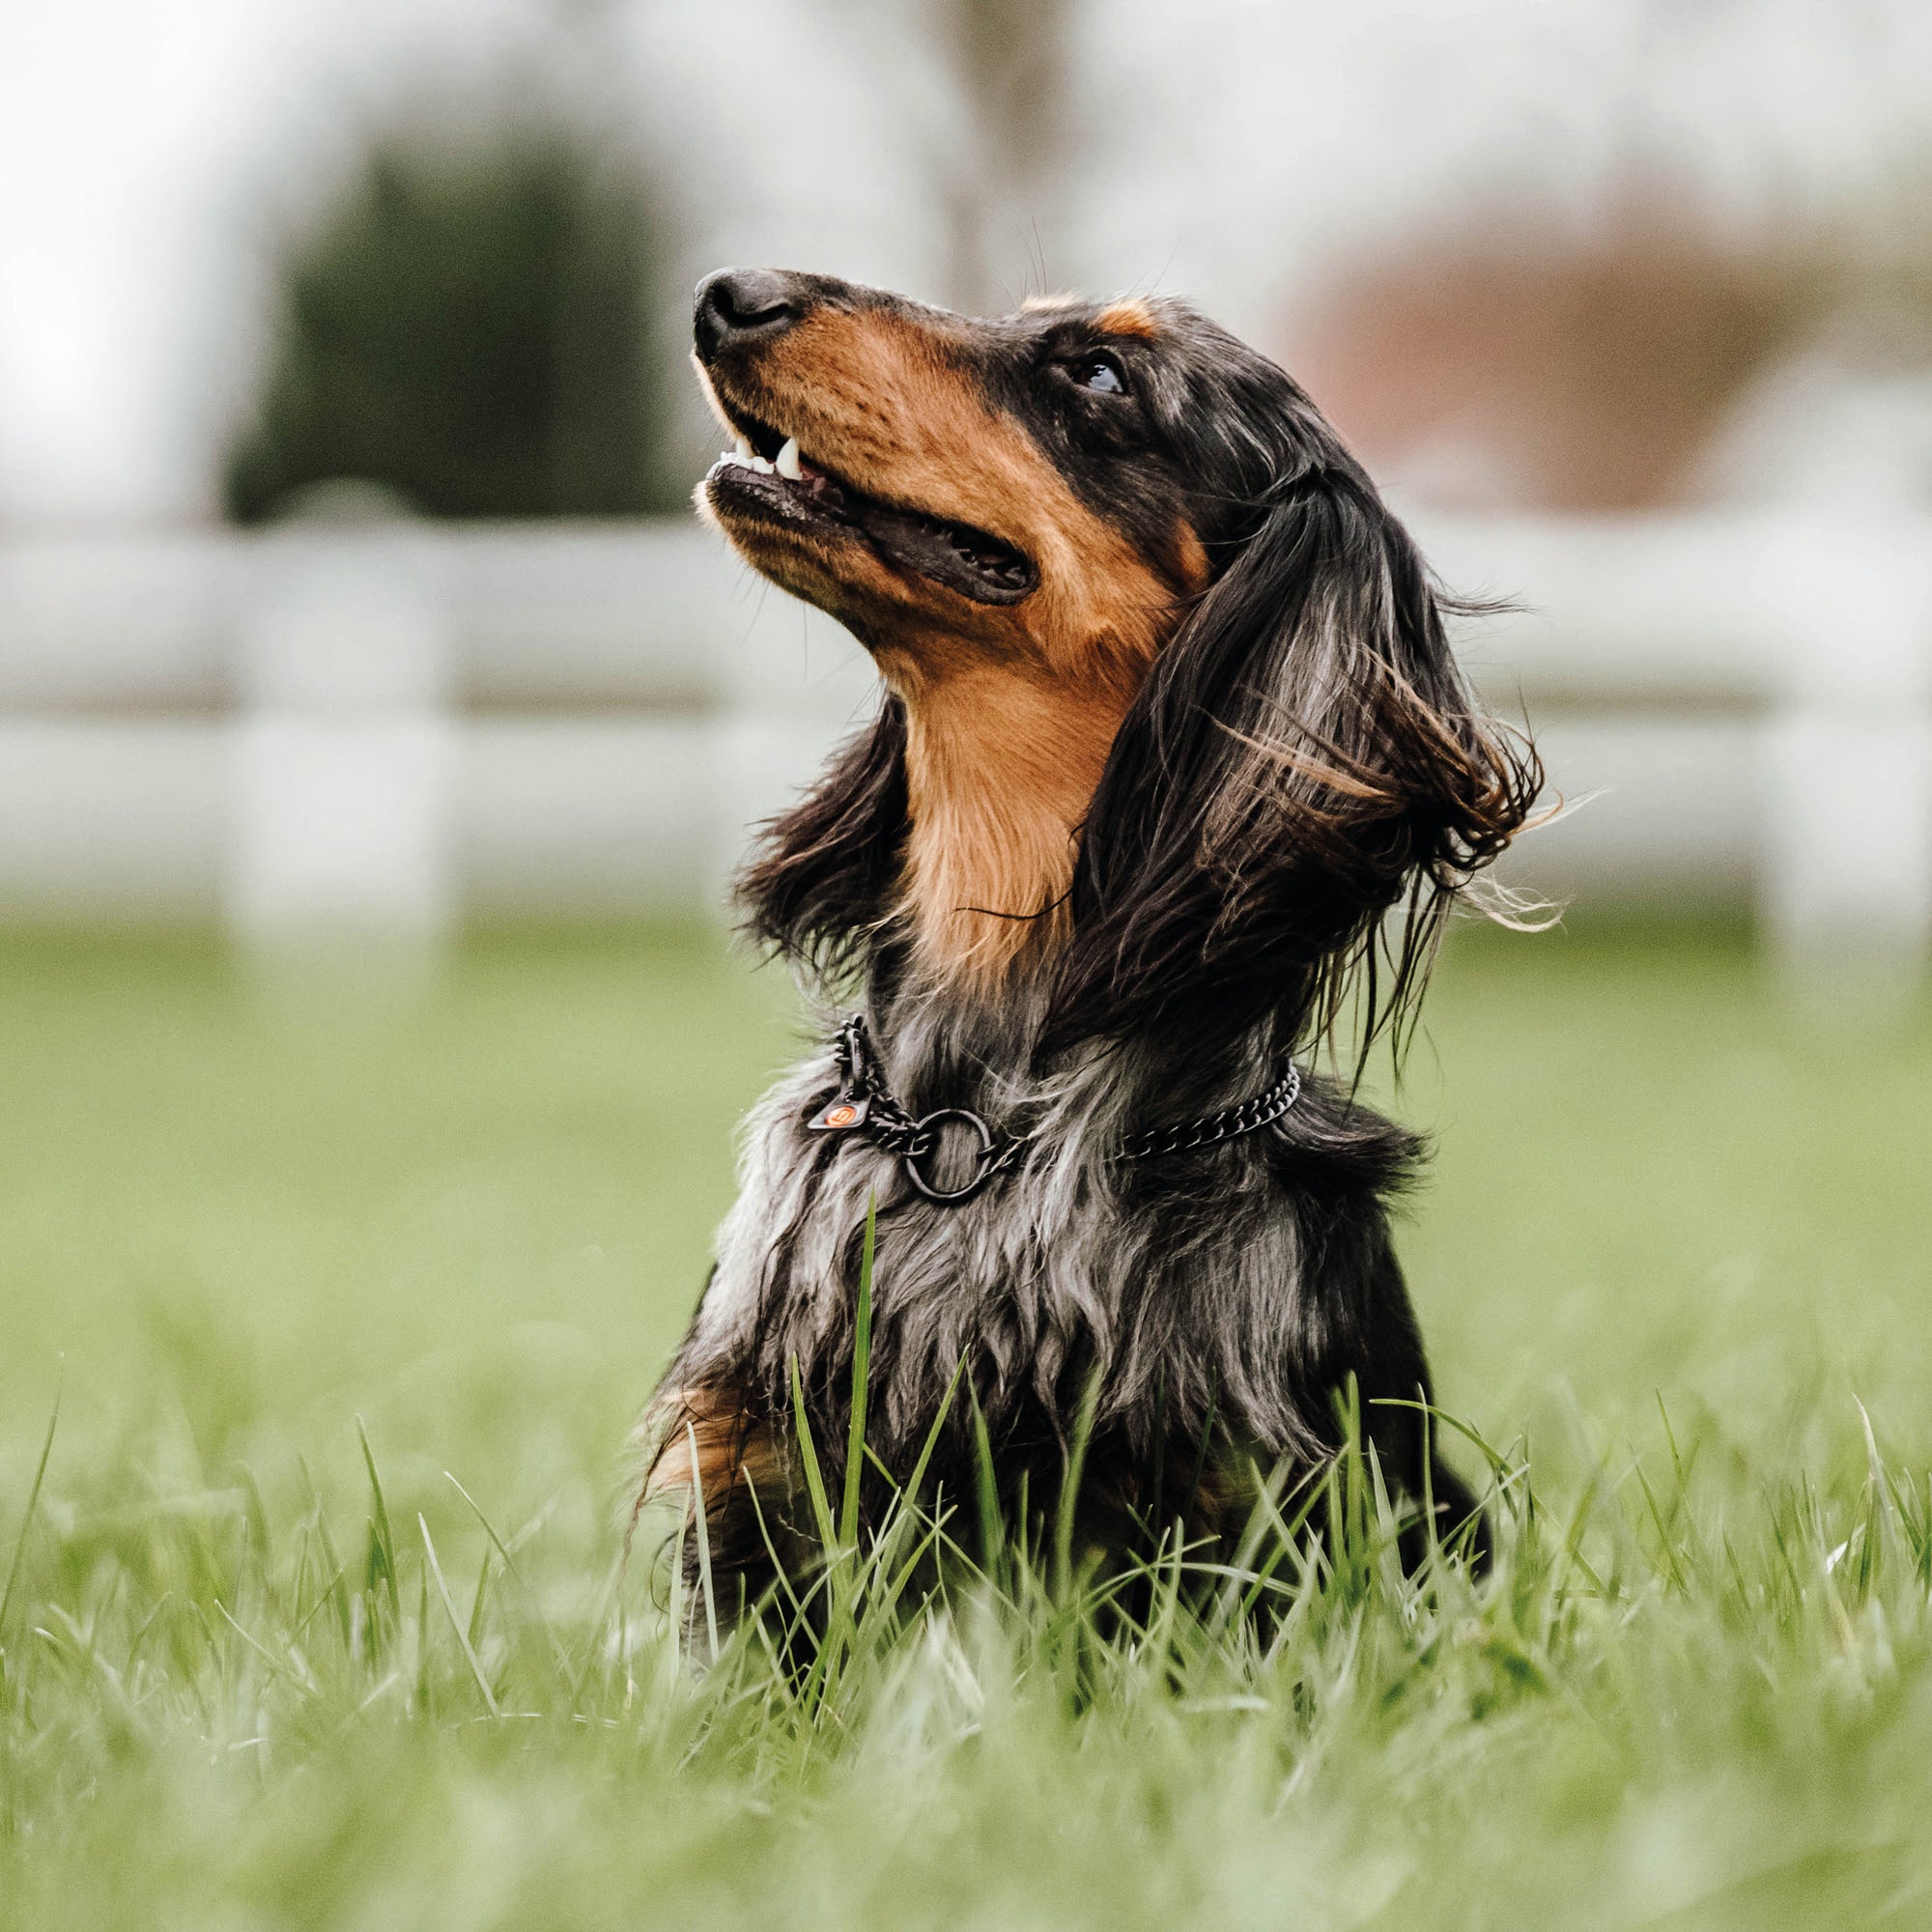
(1100, 372)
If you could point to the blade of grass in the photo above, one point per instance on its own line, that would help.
(322, 1602)
(808, 1456)
(509, 1562)
(381, 1567)
(27, 1518)
(268, 1656)
(702, 1526)
(918, 1469)
(455, 1622)
(1200, 1460)
(477, 1601)
(339, 1589)
(1069, 1488)
(861, 1364)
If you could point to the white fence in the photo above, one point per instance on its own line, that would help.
(331, 730)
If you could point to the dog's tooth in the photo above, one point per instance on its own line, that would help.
(744, 450)
(787, 460)
(759, 463)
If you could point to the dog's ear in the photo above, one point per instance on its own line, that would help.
(822, 878)
(1303, 757)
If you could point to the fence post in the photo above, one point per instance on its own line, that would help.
(1847, 881)
(344, 752)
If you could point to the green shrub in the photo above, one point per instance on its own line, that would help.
(471, 329)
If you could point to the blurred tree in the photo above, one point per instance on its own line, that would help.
(994, 167)
(1009, 58)
(470, 329)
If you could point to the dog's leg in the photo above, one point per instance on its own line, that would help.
(706, 1446)
(1393, 1379)
(1456, 1506)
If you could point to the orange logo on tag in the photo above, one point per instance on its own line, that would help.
(840, 1116)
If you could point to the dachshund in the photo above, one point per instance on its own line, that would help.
(1172, 778)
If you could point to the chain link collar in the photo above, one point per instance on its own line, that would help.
(865, 1105)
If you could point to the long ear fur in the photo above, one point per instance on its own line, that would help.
(1303, 757)
(821, 879)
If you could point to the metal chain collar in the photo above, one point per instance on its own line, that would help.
(865, 1105)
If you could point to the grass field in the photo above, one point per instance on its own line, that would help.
(1676, 1237)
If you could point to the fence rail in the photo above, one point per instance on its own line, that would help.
(388, 729)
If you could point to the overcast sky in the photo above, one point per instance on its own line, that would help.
(1231, 148)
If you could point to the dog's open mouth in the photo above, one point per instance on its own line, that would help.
(767, 473)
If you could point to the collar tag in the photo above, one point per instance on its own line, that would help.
(838, 1115)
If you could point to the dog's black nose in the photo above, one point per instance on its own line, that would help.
(741, 305)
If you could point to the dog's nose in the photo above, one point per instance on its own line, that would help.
(736, 306)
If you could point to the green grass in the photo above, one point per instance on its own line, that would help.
(1676, 1234)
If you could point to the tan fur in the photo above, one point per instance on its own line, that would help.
(1190, 567)
(1128, 318)
(703, 1440)
(1011, 708)
(1000, 768)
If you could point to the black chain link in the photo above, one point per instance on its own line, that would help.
(1261, 1111)
(864, 1096)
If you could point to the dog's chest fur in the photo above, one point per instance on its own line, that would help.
(1232, 1285)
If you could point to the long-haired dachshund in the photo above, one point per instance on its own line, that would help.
(1171, 756)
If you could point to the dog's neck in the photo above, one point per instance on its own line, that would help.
(1000, 768)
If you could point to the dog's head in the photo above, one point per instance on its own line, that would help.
(1171, 703)
(1025, 493)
